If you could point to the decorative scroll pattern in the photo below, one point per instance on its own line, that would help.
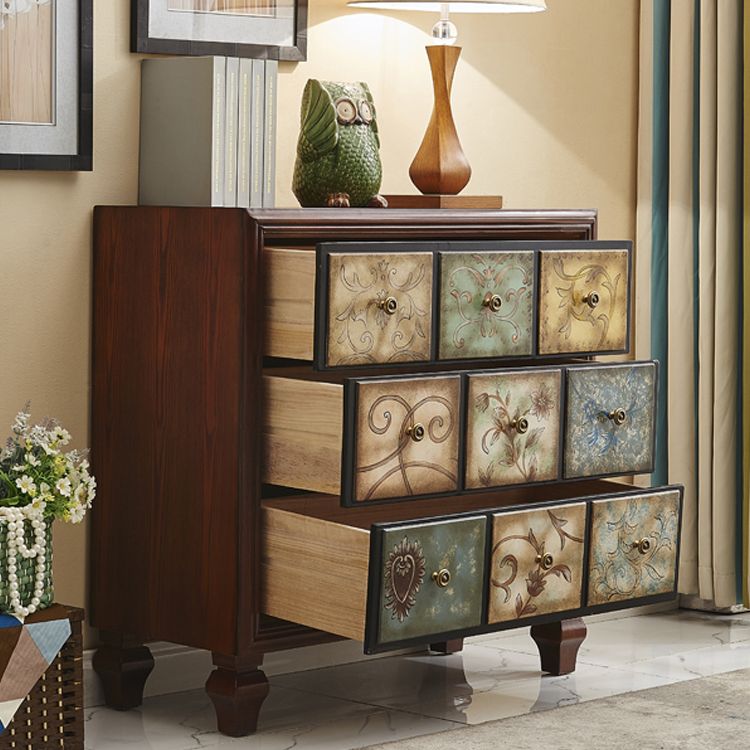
(360, 331)
(404, 574)
(469, 328)
(389, 463)
(566, 322)
(618, 570)
(595, 444)
(522, 583)
(496, 452)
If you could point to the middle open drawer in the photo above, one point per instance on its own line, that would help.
(384, 438)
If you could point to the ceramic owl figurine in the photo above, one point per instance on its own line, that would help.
(338, 158)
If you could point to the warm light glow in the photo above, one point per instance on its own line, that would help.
(455, 6)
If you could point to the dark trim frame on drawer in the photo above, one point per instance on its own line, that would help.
(376, 247)
(82, 159)
(140, 41)
(349, 431)
(375, 573)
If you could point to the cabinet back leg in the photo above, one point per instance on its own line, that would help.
(558, 644)
(448, 647)
(123, 666)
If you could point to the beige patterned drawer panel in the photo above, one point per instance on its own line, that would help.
(379, 308)
(583, 301)
(633, 550)
(537, 562)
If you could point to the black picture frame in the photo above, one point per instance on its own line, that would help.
(82, 160)
(140, 41)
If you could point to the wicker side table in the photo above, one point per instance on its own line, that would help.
(51, 716)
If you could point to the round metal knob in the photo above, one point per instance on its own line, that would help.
(545, 561)
(618, 416)
(591, 299)
(416, 432)
(493, 301)
(642, 545)
(442, 577)
(389, 305)
(520, 425)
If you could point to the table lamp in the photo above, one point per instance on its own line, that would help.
(440, 166)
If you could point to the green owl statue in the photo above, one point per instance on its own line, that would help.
(338, 159)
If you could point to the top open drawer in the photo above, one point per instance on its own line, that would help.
(386, 303)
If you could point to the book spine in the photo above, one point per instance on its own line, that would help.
(218, 116)
(244, 126)
(269, 134)
(230, 131)
(256, 147)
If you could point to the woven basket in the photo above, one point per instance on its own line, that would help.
(25, 569)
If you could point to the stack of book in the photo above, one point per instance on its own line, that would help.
(208, 132)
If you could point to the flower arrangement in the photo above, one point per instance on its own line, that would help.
(39, 482)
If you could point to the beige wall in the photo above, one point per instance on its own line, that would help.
(545, 105)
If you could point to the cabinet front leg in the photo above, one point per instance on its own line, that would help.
(237, 689)
(123, 665)
(558, 644)
(448, 647)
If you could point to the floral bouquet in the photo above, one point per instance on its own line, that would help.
(39, 482)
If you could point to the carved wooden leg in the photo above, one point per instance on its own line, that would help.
(123, 665)
(558, 644)
(448, 647)
(237, 689)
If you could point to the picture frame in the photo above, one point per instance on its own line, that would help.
(266, 29)
(46, 113)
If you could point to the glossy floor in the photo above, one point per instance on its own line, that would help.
(355, 705)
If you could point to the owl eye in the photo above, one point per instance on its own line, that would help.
(365, 112)
(346, 111)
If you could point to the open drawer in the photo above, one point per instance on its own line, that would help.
(392, 576)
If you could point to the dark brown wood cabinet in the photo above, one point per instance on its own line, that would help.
(190, 546)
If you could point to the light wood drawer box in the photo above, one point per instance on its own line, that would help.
(398, 575)
(388, 304)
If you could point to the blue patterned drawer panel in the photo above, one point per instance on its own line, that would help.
(432, 578)
(633, 551)
(609, 427)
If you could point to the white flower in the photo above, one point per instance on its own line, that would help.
(91, 491)
(63, 487)
(21, 422)
(32, 460)
(26, 485)
(39, 504)
(80, 493)
(19, 467)
(76, 512)
(61, 435)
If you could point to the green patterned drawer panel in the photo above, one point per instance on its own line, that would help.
(609, 426)
(513, 433)
(537, 562)
(633, 547)
(486, 302)
(432, 578)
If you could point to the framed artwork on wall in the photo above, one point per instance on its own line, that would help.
(46, 84)
(271, 29)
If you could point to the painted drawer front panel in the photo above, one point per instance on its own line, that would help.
(537, 562)
(583, 301)
(633, 547)
(379, 308)
(513, 433)
(486, 304)
(609, 425)
(432, 578)
(406, 437)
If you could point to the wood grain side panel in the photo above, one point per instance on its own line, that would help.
(315, 572)
(289, 303)
(302, 427)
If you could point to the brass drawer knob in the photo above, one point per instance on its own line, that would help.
(591, 299)
(389, 305)
(493, 301)
(416, 432)
(618, 416)
(442, 577)
(642, 545)
(545, 561)
(520, 425)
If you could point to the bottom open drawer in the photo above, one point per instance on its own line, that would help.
(395, 575)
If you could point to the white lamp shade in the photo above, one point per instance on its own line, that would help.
(455, 6)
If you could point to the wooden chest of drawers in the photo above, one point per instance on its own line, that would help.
(380, 425)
